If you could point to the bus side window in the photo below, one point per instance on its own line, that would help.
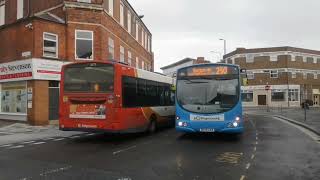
(172, 98)
(141, 94)
(167, 95)
(129, 92)
(161, 94)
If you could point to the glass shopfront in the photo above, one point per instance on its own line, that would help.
(14, 97)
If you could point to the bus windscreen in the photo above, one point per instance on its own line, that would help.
(91, 77)
(208, 89)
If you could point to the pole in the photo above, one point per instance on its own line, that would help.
(225, 46)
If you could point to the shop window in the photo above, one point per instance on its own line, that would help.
(111, 48)
(121, 54)
(14, 97)
(50, 45)
(293, 95)
(274, 74)
(247, 97)
(84, 45)
(277, 96)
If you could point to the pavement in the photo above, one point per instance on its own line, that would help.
(268, 149)
(296, 114)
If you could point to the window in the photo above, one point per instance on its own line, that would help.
(293, 95)
(274, 74)
(111, 48)
(137, 62)
(247, 96)
(145, 40)
(149, 44)
(293, 75)
(121, 14)
(84, 45)
(250, 75)
(142, 37)
(304, 59)
(137, 30)
(293, 58)
(315, 75)
(19, 9)
(121, 54)
(85, 1)
(14, 97)
(111, 7)
(143, 93)
(129, 22)
(2, 14)
(277, 95)
(305, 75)
(50, 45)
(314, 60)
(129, 58)
(249, 58)
(142, 65)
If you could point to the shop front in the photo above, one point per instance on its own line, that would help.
(25, 88)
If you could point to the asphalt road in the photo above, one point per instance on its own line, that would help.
(269, 149)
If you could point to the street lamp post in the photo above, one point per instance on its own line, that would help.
(224, 45)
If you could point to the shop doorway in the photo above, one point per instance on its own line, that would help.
(54, 87)
(262, 100)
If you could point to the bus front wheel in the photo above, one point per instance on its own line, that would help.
(152, 128)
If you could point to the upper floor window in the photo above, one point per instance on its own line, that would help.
(129, 22)
(85, 1)
(142, 37)
(137, 62)
(274, 74)
(250, 75)
(293, 75)
(19, 9)
(121, 54)
(110, 5)
(315, 75)
(142, 65)
(129, 58)
(2, 14)
(121, 14)
(50, 45)
(304, 59)
(145, 40)
(84, 44)
(314, 60)
(249, 58)
(111, 48)
(305, 75)
(149, 44)
(137, 30)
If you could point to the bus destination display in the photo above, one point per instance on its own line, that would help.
(208, 71)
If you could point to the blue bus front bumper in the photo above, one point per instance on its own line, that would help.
(220, 130)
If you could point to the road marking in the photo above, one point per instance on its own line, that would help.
(256, 142)
(122, 150)
(55, 170)
(229, 157)
(28, 142)
(256, 137)
(73, 137)
(90, 134)
(60, 139)
(37, 143)
(16, 147)
(6, 145)
(248, 166)
(252, 156)
(242, 177)
(255, 149)
(45, 139)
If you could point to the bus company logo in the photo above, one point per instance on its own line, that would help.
(206, 118)
(20, 67)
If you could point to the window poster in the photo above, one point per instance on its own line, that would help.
(14, 97)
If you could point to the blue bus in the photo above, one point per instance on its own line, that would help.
(208, 99)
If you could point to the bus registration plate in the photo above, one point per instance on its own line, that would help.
(206, 130)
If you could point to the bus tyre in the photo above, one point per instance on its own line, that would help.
(152, 125)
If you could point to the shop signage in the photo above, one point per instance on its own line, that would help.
(30, 69)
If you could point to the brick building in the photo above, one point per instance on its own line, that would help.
(38, 37)
(292, 74)
(171, 69)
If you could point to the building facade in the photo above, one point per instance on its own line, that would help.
(38, 37)
(171, 69)
(279, 76)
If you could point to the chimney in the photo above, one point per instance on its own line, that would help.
(200, 60)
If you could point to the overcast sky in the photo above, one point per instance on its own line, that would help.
(192, 28)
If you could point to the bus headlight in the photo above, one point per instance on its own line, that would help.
(180, 123)
(237, 119)
(235, 124)
(177, 118)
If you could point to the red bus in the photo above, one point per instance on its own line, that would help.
(114, 97)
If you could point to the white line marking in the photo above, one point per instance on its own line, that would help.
(7, 145)
(255, 149)
(16, 147)
(122, 150)
(242, 177)
(73, 137)
(47, 139)
(90, 134)
(248, 166)
(60, 139)
(28, 142)
(252, 156)
(256, 138)
(55, 170)
(256, 142)
(37, 143)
